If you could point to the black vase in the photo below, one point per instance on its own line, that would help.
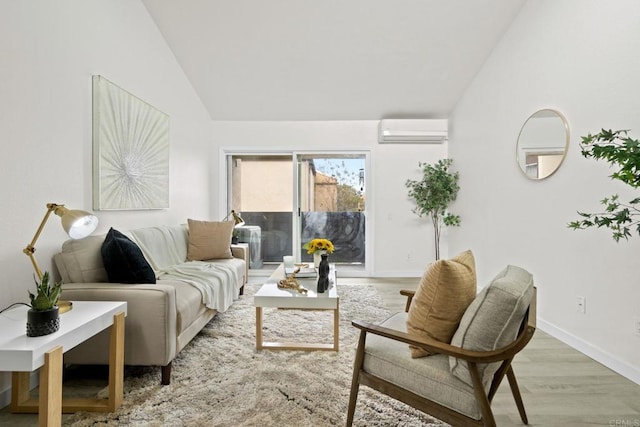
(323, 274)
(42, 322)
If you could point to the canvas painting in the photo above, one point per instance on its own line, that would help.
(130, 151)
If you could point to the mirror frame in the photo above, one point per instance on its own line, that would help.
(565, 125)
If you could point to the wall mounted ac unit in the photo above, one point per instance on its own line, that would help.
(410, 131)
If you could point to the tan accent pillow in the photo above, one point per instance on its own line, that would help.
(445, 291)
(209, 240)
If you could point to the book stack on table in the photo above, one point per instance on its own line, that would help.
(304, 271)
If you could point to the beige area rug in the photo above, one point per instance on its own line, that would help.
(220, 379)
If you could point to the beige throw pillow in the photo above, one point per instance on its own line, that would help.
(445, 291)
(209, 240)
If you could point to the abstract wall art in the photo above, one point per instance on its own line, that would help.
(130, 151)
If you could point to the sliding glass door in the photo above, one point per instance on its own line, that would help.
(289, 198)
(331, 204)
(259, 188)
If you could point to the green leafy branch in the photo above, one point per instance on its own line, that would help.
(618, 149)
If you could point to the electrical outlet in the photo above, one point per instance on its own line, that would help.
(581, 304)
(636, 325)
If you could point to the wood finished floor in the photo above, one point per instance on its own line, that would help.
(560, 386)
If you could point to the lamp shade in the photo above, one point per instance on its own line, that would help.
(237, 219)
(76, 223)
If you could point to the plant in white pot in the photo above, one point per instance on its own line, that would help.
(43, 317)
(433, 194)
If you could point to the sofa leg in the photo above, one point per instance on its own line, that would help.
(166, 374)
(242, 290)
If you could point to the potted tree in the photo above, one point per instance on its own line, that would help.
(618, 149)
(43, 317)
(433, 194)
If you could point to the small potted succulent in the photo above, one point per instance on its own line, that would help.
(43, 317)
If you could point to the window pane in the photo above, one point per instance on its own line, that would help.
(331, 193)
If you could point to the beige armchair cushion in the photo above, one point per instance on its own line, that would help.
(445, 291)
(428, 377)
(209, 240)
(492, 320)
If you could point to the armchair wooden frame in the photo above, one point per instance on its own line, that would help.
(483, 397)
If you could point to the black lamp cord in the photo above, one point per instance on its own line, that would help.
(14, 304)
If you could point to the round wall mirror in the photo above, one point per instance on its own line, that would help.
(542, 144)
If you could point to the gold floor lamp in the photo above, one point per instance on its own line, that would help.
(76, 223)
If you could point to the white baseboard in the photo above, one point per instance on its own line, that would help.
(621, 367)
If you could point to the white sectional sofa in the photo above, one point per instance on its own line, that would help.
(162, 317)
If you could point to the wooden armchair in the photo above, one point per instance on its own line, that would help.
(431, 384)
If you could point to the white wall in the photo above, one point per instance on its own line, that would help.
(581, 58)
(48, 53)
(403, 242)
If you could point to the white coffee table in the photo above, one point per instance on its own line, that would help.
(269, 295)
(22, 355)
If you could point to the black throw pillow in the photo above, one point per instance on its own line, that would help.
(124, 261)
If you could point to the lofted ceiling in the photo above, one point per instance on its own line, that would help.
(331, 59)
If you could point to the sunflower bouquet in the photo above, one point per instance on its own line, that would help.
(318, 245)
